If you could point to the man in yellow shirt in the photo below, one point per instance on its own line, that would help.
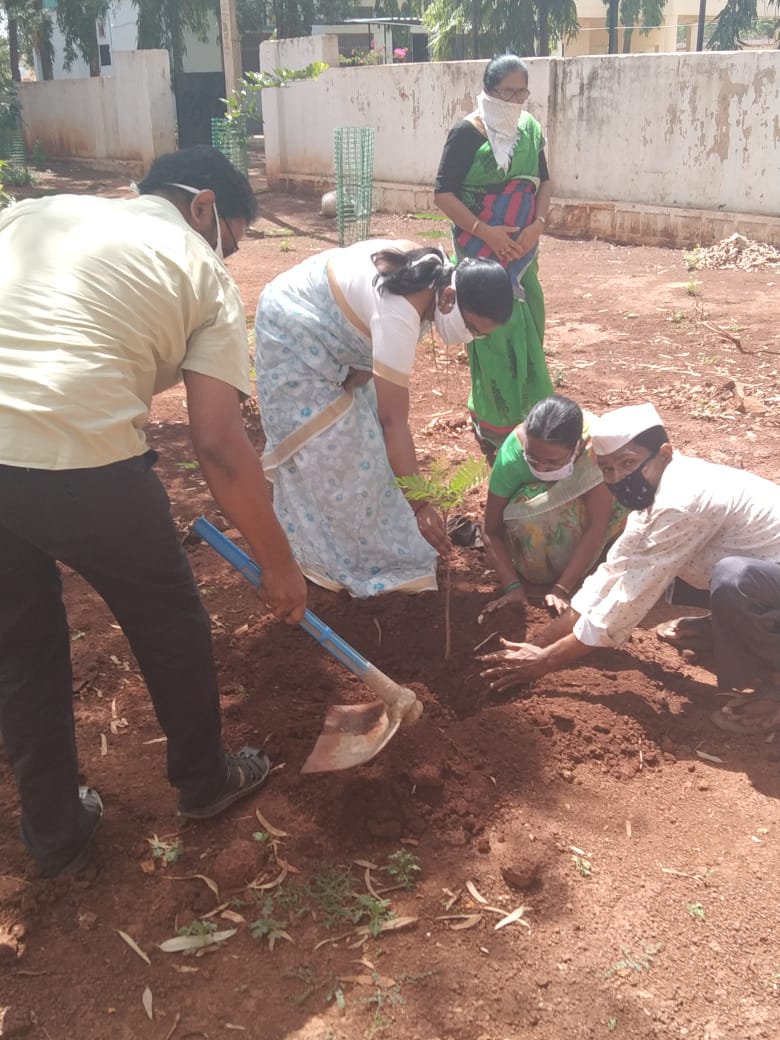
(103, 303)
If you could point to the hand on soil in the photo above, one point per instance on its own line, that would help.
(284, 590)
(557, 604)
(515, 598)
(515, 665)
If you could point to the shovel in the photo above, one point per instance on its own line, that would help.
(351, 734)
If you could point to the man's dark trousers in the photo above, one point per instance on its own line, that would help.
(112, 525)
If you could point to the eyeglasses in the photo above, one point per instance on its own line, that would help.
(544, 464)
(507, 94)
(234, 247)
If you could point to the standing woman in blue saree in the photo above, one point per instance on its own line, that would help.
(335, 341)
(494, 186)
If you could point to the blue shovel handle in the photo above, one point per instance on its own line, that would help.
(317, 629)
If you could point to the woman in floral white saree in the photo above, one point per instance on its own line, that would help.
(335, 346)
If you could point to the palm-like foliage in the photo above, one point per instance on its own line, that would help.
(735, 17)
(648, 14)
(525, 27)
(163, 24)
(76, 20)
(29, 29)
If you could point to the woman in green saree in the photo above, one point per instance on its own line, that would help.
(494, 185)
(549, 515)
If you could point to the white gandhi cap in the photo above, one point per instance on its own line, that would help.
(615, 429)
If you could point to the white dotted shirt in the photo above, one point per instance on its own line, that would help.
(702, 513)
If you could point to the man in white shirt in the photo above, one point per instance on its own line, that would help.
(103, 303)
(714, 527)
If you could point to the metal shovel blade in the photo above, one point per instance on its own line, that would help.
(351, 735)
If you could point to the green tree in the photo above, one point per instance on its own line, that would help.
(527, 27)
(28, 28)
(296, 17)
(163, 24)
(253, 15)
(77, 20)
(648, 14)
(735, 18)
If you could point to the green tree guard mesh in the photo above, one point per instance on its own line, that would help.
(354, 160)
(230, 137)
(12, 148)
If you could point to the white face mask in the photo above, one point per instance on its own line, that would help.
(552, 474)
(197, 191)
(500, 119)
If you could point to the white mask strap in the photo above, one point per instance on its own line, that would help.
(196, 191)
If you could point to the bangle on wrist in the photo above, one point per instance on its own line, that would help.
(563, 589)
(512, 586)
(474, 226)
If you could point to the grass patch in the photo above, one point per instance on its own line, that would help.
(635, 961)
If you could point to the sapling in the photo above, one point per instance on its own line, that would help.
(445, 492)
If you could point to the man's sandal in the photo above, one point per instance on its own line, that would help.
(751, 714)
(247, 771)
(687, 633)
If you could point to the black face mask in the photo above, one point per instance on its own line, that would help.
(634, 491)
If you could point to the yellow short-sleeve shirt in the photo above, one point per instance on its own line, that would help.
(103, 302)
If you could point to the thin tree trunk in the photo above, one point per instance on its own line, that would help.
(13, 45)
(543, 49)
(447, 595)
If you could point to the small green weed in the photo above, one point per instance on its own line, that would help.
(583, 865)
(17, 176)
(261, 837)
(696, 910)
(559, 378)
(198, 927)
(267, 927)
(635, 961)
(612, 1023)
(403, 866)
(692, 286)
(694, 258)
(426, 215)
(308, 980)
(332, 892)
(385, 999)
(371, 911)
(167, 851)
(294, 899)
(188, 465)
(677, 318)
(284, 245)
(336, 995)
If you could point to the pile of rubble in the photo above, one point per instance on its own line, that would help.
(736, 251)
